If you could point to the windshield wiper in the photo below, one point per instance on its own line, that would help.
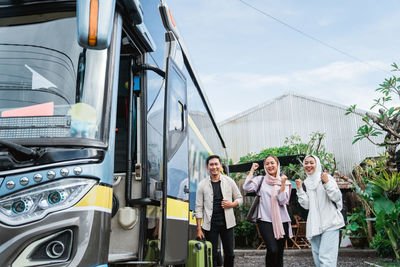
(26, 151)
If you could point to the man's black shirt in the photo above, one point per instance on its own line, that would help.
(218, 215)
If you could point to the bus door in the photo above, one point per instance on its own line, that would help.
(175, 202)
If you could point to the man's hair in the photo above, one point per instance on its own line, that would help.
(213, 157)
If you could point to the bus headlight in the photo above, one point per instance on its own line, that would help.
(21, 206)
(36, 202)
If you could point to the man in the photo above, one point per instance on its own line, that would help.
(215, 207)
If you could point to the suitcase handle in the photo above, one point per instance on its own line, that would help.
(203, 240)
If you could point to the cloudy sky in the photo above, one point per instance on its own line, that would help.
(247, 52)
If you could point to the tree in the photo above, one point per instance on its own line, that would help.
(386, 121)
(313, 147)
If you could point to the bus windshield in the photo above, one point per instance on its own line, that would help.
(50, 87)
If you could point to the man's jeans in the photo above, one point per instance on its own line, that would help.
(325, 248)
(227, 243)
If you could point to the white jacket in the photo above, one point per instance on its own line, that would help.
(204, 200)
(323, 214)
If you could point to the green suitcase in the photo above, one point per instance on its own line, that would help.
(200, 254)
(152, 252)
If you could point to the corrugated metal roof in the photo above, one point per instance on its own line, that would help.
(269, 102)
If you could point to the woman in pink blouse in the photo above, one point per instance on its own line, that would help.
(273, 218)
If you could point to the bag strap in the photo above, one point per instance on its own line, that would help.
(304, 187)
(259, 186)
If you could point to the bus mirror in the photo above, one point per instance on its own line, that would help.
(95, 22)
(167, 19)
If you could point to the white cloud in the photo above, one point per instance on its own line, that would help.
(341, 72)
(345, 83)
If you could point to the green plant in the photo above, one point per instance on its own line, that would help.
(370, 169)
(362, 175)
(381, 244)
(356, 224)
(386, 213)
(245, 232)
(387, 218)
(276, 151)
(389, 184)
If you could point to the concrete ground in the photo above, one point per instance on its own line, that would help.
(348, 257)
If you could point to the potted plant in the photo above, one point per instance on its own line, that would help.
(356, 228)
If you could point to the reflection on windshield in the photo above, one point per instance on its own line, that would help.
(50, 87)
(29, 74)
(84, 119)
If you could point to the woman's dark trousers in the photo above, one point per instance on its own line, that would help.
(274, 257)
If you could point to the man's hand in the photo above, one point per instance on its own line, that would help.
(226, 204)
(200, 235)
(156, 229)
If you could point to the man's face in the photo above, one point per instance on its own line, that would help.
(214, 166)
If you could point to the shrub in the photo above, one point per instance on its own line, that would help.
(381, 244)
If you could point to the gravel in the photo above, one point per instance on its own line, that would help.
(299, 258)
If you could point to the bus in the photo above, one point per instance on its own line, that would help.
(104, 132)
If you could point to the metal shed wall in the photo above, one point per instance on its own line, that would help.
(268, 124)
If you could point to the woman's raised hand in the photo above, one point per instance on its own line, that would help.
(252, 169)
(283, 183)
(283, 179)
(324, 177)
(254, 166)
(298, 183)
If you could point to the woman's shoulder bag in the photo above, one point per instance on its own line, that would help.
(253, 211)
